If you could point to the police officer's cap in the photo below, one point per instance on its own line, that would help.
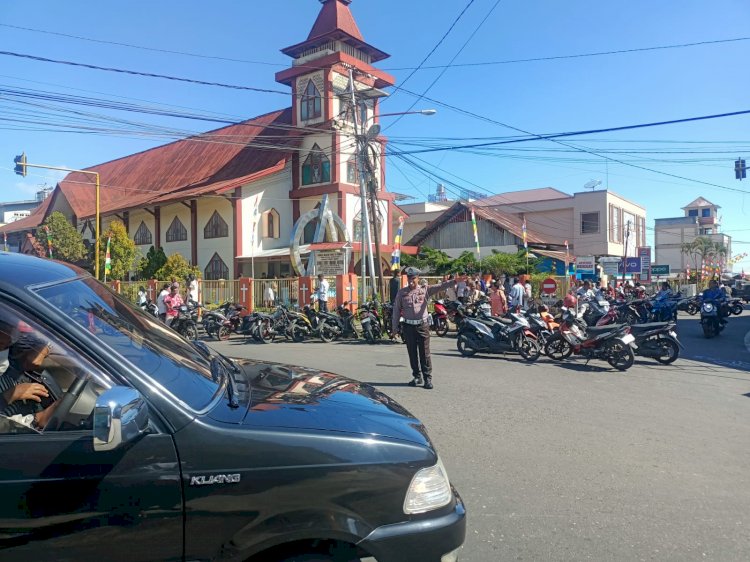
(412, 272)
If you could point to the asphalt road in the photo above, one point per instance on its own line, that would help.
(562, 461)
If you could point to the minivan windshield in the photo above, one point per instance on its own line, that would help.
(143, 340)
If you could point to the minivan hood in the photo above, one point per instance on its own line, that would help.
(287, 396)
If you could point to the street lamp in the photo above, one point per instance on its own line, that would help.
(22, 164)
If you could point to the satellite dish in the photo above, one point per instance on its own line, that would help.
(592, 185)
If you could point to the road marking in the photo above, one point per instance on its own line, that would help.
(747, 341)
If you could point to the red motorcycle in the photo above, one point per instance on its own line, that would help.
(440, 318)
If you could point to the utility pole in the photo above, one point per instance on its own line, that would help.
(375, 213)
(625, 254)
(361, 144)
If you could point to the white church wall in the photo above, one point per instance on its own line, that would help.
(271, 192)
(136, 217)
(223, 246)
(168, 214)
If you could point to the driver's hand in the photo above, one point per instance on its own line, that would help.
(43, 417)
(27, 391)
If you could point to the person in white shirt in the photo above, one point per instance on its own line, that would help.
(586, 292)
(517, 294)
(322, 293)
(192, 288)
(527, 295)
(162, 308)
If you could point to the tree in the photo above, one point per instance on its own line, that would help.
(176, 267)
(153, 262)
(67, 242)
(122, 251)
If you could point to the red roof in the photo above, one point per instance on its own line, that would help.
(334, 16)
(189, 167)
(523, 196)
(32, 221)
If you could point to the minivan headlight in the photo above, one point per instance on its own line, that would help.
(429, 489)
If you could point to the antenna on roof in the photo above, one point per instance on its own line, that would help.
(592, 185)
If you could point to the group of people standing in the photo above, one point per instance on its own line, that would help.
(169, 300)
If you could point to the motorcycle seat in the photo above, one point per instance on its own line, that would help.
(649, 326)
(607, 328)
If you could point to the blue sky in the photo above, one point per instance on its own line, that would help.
(540, 97)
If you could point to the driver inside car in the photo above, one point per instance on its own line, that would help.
(25, 398)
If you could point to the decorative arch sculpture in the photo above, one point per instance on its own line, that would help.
(329, 224)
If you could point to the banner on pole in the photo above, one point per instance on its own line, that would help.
(396, 255)
(476, 234)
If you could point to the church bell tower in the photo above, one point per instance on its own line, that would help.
(325, 162)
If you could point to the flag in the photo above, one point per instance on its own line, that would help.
(255, 221)
(476, 234)
(107, 258)
(5, 241)
(49, 240)
(396, 255)
(523, 229)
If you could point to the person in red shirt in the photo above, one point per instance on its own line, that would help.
(173, 301)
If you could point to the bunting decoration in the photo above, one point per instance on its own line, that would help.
(476, 234)
(107, 258)
(523, 230)
(49, 240)
(396, 254)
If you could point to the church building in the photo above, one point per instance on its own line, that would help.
(249, 197)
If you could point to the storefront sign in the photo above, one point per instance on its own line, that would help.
(660, 270)
(633, 265)
(585, 265)
(645, 254)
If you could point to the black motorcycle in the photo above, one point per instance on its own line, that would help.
(214, 320)
(339, 325)
(185, 323)
(657, 340)
(493, 335)
(713, 314)
(370, 320)
(735, 306)
(150, 307)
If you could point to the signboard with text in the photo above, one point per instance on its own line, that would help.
(585, 265)
(645, 254)
(330, 262)
(609, 265)
(633, 265)
(657, 270)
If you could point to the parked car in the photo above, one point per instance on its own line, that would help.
(158, 448)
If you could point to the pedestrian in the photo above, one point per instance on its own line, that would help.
(450, 292)
(268, 294)
(192, 287)
(517, 294)
(395, 285)
(527, 295)
(461, 288)
(142, 296)
(411, 304)
(161, 307)
(173, 301)
(321, 292)
(498, 302)
(506, 284)
(474, 294)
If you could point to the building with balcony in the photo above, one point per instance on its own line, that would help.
(701, 219)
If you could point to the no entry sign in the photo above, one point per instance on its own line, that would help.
(549, 286)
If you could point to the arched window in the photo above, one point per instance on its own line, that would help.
(271, 224)
(176, 231)
(311, 103)
(216, 269)
(316, 168)
(216, 227)
(352, 173)
(143, 236)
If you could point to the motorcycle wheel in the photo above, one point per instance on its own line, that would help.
(265, 332)
(190, 332)
(441, 327)
(368, 335)
(255, 331)
(620, 356)
(631, 318)
(327, 333)
(529, 349)
(223, 333)
(692, 309)
(557, 348)
(298, 332)
(670, 351)
(708, 330)
(736, 309)
(464, 346)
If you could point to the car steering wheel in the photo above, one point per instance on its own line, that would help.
(66, 404)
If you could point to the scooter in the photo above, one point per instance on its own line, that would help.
(496, 336)
(711, 320)
(339, 325)
(613, 343)
(657, 340)
(150, 308)
(370, 320)
(735, 306)
(440, 318)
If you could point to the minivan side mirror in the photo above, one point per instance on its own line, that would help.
(120, 417)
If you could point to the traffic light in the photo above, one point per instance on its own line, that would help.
(20, 162)
(739, 169)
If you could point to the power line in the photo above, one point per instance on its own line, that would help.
(139, 73)
(440, 42)
(442, 72)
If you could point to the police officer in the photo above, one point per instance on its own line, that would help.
(411, 304)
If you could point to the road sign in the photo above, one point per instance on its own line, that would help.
(645, 254)
(549, 286)
(660, 270)
(330, 262)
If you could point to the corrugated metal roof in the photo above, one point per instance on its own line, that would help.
(524, 196)
(335, 15)
(197, 165)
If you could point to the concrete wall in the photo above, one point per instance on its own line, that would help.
(271, 192)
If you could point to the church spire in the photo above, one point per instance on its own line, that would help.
(335, 16)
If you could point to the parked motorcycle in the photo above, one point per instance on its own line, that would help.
(339, 325)
(493, 335)
(440, 318)
(215, 321)
(185, 323)
(735, 306)
(612, 343)
(713, 313)
(150, 308)
(369, 317)
(657, 340)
